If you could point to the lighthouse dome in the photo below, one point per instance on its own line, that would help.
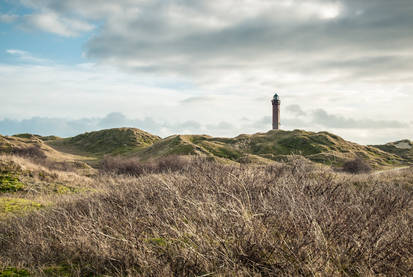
(276, 97)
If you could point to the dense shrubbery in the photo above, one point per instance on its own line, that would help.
(134, 167)
(214, 219)
(356, 166)
(33, 152)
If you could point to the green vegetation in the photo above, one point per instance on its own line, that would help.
(402, 148)
(173, 145)
(17, 206)
(111, 141)
(14, 272)
(9, 182)
(274, 145)
(57, 271)
(33, 136)
(261, 148)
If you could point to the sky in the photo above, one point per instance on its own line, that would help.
(207, 67)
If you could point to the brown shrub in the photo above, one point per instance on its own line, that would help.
(134, 167)
(33, 152)
(356, 166)
(213, 219)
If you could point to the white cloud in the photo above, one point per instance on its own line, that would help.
(67, 96)
(55, 23)
(25, 56)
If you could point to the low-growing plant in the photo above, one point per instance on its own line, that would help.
(14, 272)
(356, 166)
(10, 182)
(33, 152)
(9, 206)
(134, 167)
(208, 218)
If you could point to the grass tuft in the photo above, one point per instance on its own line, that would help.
(10, 182)
(10, 206)
(14, 272)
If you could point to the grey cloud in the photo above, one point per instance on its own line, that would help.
(8, 18)
(113, 120)
(220, 126)
(263, 123)
(287, 123)
(295, 110)
(325, 119)
(67, 127)
(261, 42)
(295, 123)
(47, 126)
(186, 126)
(198, 99)
(173, 36)
(321, 118)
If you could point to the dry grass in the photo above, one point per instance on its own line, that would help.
(26, 184)
(207, 219)
(134, 167)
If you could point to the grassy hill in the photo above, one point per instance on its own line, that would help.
(109, 141)
(401, 148)
(192, 216)
(261, 148)
(274, 145)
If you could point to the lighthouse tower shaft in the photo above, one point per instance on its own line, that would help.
(276, 113)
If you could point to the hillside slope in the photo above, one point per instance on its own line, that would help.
(37, 147)
(109, 141)
(274, 145)
(401, 148)
(262, 148)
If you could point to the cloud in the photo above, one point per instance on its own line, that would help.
(358, 130)
(197, 100)
(325, 119)
(200, 38)
(55, 23)
(25, 56)
(265, 123)
(8, 18)
(295, 110)
(71, 127)
(249, 47)
(222, 128)
(258, 37)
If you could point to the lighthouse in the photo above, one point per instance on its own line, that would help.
(276, 112)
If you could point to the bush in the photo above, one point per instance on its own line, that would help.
(33, 152)
(134, 167)
(356, 166)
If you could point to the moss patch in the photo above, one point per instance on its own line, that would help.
(9, 182)
(14, 272)
(58, 271)
(17, 206)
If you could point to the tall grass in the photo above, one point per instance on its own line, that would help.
(209, 219)
(135, 167)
